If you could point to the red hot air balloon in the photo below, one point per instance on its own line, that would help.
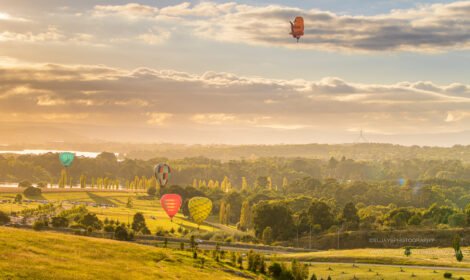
(171, 203)
(297, 28)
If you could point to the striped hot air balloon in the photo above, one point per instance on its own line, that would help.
(66, 158)
(162, 173)
(199, 208)
(171, 203)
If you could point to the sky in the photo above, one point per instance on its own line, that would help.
(204, 72)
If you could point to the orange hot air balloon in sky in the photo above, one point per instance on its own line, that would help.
(171, 203)
(297, 28)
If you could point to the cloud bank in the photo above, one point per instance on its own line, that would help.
(84, 94)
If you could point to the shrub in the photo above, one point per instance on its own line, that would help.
(32, 191)
(38, 225)
(121, 233)
(4, 218)
(447, 275)
(25, 184)
(151, 191)
(41, 185)
(18, 198)
(59, 222)
(275, 270)
(108, 228)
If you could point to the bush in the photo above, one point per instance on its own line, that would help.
(32, 191)
(275, 270)
(121, 233)
(108, 228)
(447, 275)
(18, 198)
(59, 222)
(41, 185)
(151, 191)
(38, 225)
(4, 218)
(25, 184)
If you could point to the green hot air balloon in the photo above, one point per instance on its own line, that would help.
(199, 208)
(66, 158)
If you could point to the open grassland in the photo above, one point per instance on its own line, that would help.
(43, 255)
(425, 257)
(378, 272)
(150, 207)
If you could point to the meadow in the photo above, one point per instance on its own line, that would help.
(62, 256)
(155, 217)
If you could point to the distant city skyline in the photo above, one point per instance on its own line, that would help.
(228, 71)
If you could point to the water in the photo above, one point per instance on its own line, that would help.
(40, 152)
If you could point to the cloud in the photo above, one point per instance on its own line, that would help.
(109, 96)
(426, 28)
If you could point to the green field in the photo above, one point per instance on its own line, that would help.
(347, 271)
(426, 257)
(154, 214)
(43, 255)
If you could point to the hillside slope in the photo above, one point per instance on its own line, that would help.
(44, 255)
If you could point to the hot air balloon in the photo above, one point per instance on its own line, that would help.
(171, 203)
(297, 28)
(199, 208)
(162, 173)
(66, 158)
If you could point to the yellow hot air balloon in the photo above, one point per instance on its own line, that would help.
(199, 208)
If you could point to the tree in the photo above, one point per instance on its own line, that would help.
(4, 218)
(25, 184)
(129, 203)
(228, 210)
(299, 271)
(262, 182)
(32, 191)
(222, 215)
(350, 216)
(60, 222)
(122, 233)
(285, 185)
(457, 220)
(319, 214)
(63, 178)
(151, 191)
(459, 255)
(245, 216)
(18, 198)
(82, 181)
(407, 251)
(275, 215)
(245, 186)
(138, 223)
(275, 270)
(267, 235)
(90, 220)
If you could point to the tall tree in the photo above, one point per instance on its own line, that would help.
(228, 212)
(222, 212)
(245, 216)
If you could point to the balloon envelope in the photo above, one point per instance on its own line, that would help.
(199, 208)
(297, 28)
(66, 158)
(162, 173)
(171, 203)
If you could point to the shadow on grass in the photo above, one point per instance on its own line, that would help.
(100, 200)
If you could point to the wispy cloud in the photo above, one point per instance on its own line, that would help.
(426, 28)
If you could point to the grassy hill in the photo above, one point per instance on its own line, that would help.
(424, 257)
(43, 255)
